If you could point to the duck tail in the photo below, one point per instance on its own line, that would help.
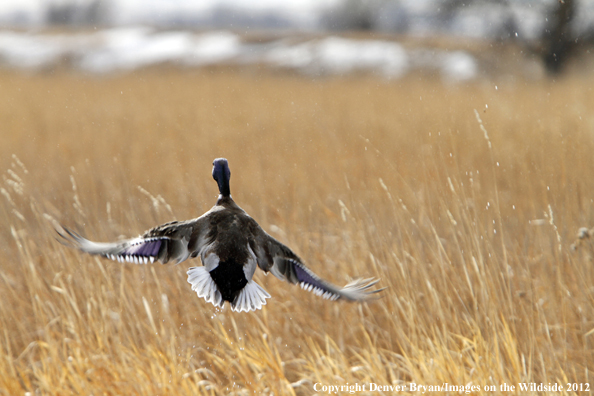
(204, 286)
(250, 298)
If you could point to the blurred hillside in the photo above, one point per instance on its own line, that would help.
(556, 33)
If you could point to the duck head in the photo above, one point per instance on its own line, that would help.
(222, 174)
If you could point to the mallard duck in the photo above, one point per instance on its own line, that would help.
(231, 246)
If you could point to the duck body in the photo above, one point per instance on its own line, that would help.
(228, 257)
(231, 246)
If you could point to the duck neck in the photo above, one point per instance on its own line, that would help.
(224, 189)
(225, 200)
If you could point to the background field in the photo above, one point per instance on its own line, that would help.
(361, 177)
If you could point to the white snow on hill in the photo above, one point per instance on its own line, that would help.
(129, 48)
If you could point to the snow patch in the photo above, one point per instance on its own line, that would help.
(131, 48)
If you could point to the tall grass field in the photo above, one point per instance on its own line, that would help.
(465, 200)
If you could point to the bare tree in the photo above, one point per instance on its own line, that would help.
(352, 15)
(449, 9)
(558, 37)
(93, 12)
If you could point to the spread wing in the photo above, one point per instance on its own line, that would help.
(175, 241)
(277, 258)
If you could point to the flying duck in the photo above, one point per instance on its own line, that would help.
(231, 245)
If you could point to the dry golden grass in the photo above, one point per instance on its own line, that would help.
(360, 177)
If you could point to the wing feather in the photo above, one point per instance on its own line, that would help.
(175, 241)
(277, 258)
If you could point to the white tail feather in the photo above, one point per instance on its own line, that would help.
(204, 286)
(250, 298)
